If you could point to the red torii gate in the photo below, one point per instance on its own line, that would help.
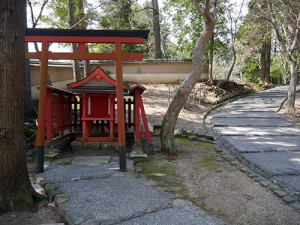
(115, 37)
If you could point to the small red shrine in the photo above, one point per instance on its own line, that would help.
(54, 109)
(96, 102)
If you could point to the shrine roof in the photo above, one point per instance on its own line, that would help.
(96, 82)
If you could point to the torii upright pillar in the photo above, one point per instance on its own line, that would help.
(120, 108)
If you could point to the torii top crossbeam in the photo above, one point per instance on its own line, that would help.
(115, 37)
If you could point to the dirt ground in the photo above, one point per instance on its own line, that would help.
(198, 174)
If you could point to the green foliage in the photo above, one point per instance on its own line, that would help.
(251, 70)
(187, 26)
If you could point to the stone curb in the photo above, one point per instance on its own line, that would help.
(258, 174)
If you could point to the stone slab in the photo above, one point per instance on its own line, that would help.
(258, 122)
(91, 160)
(292, 181)
(263, 144)
(243, 114)
(276, 163)
(176, 215)
(257, 131)
(113, 199)
(56, 173)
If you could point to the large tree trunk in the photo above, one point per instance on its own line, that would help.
(156, 30)
(72, 22)
(83, 25)
(292, 88)
(178, 102)
(211, 58)
(15, 188)
(28, 106)
(265, 60)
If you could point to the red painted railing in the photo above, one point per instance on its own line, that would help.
(58, 113)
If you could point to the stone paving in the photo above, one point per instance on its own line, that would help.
(91, 192)
(253, 130)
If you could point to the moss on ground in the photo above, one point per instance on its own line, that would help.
(207, 162)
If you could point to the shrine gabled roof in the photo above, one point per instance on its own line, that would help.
(97, 81)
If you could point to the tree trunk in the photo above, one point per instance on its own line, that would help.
(16, 192)
(178, 102)
(156, 30)
(28, 106)
(232, 65)
(72, 22)
(262, 63)
(268, 61)
(292, 88)
(211, 58)
(83, 25)
(265, 60)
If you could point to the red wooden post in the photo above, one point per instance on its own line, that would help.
(137, 126)
(120, 106)
(111, 116)
(84, 115)
(145, 122)
(61, 116)
(75, 112)
(49, 128)
(40, 138)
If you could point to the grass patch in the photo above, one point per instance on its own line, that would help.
(207, 162)
(183, 192)
(63, 162)
(163, 173)
(200, 144)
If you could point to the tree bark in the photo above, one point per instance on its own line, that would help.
(265, 60)
(72, 21)
(178, 102)
(292, 88)
(156, 30)
(16, 192)
(83, 25)
(211, 58)
(232, 65)
(28, 106)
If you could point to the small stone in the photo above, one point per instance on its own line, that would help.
(296, 205)
(265, 183)
(219, 150)
(62, 209)
(61, 198)
(252, 175)
(75, 179)
(289, 198)
(272, 187)
(39, 179)
(234, 163)
(43, 183)
(280, 193)
(50, 187)
(53, 193)
(259, 179)
(244, 169)
(178, 132)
